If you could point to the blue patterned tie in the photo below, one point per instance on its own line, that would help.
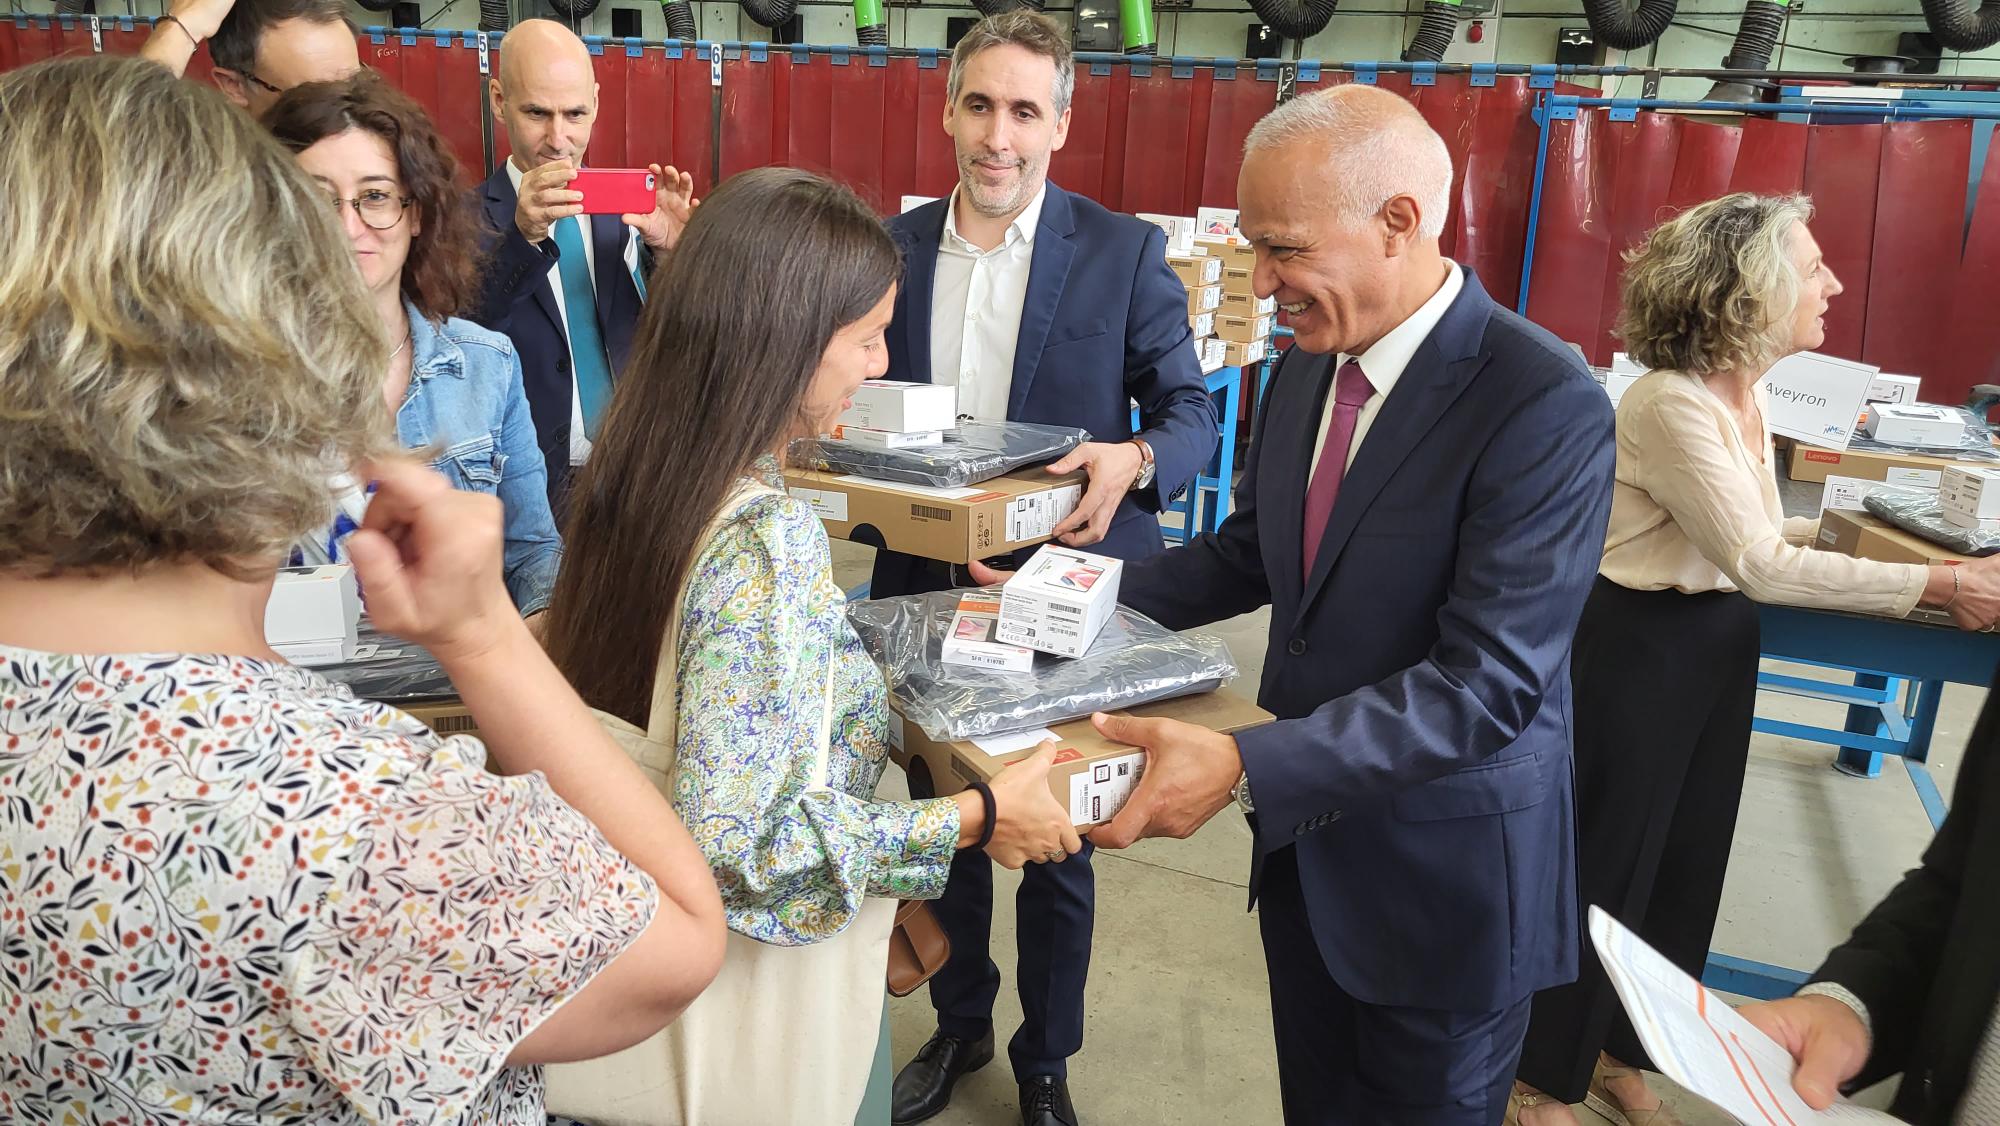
(586, 343)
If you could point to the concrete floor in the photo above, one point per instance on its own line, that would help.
(1178, 1013)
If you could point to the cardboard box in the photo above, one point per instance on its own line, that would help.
(1235, 253)
(1214, 353)
(954, 525)
(1867, 537)
(1092, 776)
(885, 404)
(446, 717)
(888, 439)
(1247, 305)
(1240, 354)
(1970, 495)
(1238, 280)
(1202, 325)
(1912, 424)
(1060, 601)
(1204, 298)
(313, 614)
(1196, 269)
(1243, 330)
(1811, 463)
(1886, 388)
(974, 638)
(1851, 493)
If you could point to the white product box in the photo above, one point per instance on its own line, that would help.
(912, 202)
(1202, 325)
(1850, 494)
(907, 408)
(1899, 424)
(1885, 388)
(1970, 495)
(1179, 230)
(312, 615)
(1216, 222)
(1060, 601)
(975, 625)
(1214, 353)
(887, 439)
(1624, 364)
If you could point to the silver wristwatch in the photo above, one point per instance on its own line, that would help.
(1242, 795)
(1147, 470)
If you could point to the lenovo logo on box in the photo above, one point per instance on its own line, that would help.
(1827, 456)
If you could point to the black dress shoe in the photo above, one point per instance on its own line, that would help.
(923, 1087)
(1045, 1102)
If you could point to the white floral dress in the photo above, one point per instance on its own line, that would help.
(231, 893)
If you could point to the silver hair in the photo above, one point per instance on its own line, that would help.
(1021, 28)
(1379, 145)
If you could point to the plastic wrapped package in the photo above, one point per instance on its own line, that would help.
(1920, 514)
(974, 452)
(1975, 443)
(1134, 661)
(390, 671)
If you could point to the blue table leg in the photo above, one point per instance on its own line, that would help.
(1923, 714)
(1866, 721)
(1216, 507)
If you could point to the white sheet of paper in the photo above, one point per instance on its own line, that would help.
(914, 490)
(1012, 741)
(1701, 1043)
(1817, 399)
(1846, 494)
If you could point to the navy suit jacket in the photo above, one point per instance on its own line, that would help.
(516, 298)
(1104, 324)
(1420, 675)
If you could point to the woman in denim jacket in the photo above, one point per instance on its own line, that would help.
(455, 388)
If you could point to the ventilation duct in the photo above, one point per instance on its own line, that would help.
(493, 15)
(573, 10)
(1295, 19)
(1756, 37)
(1135, 20)
(995, 7)
(1880, 64)
(1613, 25)
(378, 5)
(1960, 27)
(770, 13)
(1434, 34)
(679, 15)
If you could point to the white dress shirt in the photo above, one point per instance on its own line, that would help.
(976, 301)
(1384, 361)
(579, 442)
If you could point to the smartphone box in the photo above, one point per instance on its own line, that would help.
(1202, 325)
(887, 439)
(1886, 388)
(1243, 330)
(1092, 777)
(1204, 298)
(1179, 230)
(1196, 269)
(1969, 495)
(1060, 601)
(1218, 223)
(906, 408)
(313, 614)
(974, 637)
(1899, 424)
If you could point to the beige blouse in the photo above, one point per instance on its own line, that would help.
(1693, 510)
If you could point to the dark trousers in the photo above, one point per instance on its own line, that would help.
(1053, 916)
(1343, 1062)
(1666, 685)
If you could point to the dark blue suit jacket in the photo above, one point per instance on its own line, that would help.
(516, 298)
(1420, 675)
(1104, 324)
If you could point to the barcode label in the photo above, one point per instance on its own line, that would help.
(1036, 515)
(1099, 791)
(928, 512)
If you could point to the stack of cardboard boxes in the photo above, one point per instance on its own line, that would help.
(1231, 327)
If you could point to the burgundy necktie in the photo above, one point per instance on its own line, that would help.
(1351, 389)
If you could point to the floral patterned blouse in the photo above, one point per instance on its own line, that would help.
(230, 892)
(760, 620)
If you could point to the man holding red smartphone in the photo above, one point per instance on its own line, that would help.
(571, 246)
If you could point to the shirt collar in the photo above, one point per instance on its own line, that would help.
(431, 351)
(1023, 227)
(1384, 361)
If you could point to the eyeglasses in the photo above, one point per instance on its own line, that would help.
(378, 209)
(251, 76)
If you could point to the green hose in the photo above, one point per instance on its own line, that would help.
(869, 29)
(1136, 17)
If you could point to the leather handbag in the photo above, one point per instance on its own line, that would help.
(918, 947)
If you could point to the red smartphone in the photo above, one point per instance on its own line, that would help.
(615, 191)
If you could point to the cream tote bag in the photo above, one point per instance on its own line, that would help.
(786, 1035)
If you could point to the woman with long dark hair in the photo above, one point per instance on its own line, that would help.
(697, 603)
